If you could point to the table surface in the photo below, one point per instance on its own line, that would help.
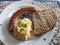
(56, 38)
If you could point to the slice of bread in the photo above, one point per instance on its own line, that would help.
(43, 21)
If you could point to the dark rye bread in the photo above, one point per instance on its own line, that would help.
(44, 21)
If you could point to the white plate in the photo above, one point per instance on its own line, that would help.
(4, 20)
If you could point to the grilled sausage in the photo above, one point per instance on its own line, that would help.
(17, 14)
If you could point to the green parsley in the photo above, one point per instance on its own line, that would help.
(25, 25)
(22, 26)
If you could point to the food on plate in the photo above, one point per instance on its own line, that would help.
(44, 21)
(23, 29)
(18, 14)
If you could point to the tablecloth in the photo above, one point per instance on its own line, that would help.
(56, 38)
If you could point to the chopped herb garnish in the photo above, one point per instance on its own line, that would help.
(25, 25)
(22, 26)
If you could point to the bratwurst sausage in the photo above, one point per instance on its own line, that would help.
(17, 14)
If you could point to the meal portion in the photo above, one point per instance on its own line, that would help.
(22, 29)
(42, 22)
(17, 14)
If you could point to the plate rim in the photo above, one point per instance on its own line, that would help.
(7, 8)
